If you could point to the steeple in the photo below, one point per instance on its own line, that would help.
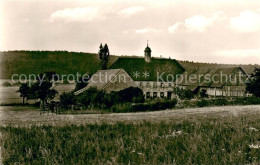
(147, 53)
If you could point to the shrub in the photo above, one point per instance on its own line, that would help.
(220, 101)
(120, 108)
(253, 86)
(131, 94)
(184, 93)
(92, 96)
(203, 103)
(7, 84)
(67, 99)
(246, 100)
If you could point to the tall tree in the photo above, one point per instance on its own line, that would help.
(254, 85)
(24, 91)
(103, 56)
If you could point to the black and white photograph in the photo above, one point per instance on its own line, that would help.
(129, 82)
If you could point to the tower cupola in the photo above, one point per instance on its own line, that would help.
(147, 53)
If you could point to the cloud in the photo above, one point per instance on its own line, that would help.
(142, 31)
(80, 14)
(247, 21)
(131, 10)
(174, 28)
(198, 23)
(146, 30)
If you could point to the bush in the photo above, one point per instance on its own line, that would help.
(67, 99)
(203, 103)
(246, 100)
(7, 84)
(220, 101)
(101, 99)
(184, 93)
(131, 94)
(121, 108)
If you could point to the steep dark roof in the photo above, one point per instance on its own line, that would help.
(158, 66)
(203, 77)
(249, 69)
(100, 80)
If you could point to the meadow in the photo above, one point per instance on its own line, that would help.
(215, 139)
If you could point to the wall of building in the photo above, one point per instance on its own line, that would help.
(154, 89)
(228, 91)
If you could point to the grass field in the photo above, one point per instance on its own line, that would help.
(216, 135)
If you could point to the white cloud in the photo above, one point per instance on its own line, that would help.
(80, 14)
(131, 10)
(175, 27)
(198, 23)
(146, 30)
(247, 21)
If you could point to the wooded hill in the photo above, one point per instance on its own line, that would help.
(35, 62)
(64, 62)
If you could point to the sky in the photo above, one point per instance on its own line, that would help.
(214, 31)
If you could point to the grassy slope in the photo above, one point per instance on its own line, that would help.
(223, 140)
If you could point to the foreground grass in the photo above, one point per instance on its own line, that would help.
(224, 140)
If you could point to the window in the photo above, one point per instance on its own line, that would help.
(148, 85)
(161, 84)
(141, 84)
(162, 94)
(147, 94)
(154, 85)
(154, 94)
(170, 84)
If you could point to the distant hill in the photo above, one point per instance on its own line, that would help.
(64, 62)
(35, 62)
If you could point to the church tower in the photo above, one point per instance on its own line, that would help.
(147, 54)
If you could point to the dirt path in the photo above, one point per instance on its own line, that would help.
(26, 116)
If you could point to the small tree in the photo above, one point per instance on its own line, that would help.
(254, 85)
(88, 97)
(184, 93)
(103, 56)
(42, 89)
(24, 91)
